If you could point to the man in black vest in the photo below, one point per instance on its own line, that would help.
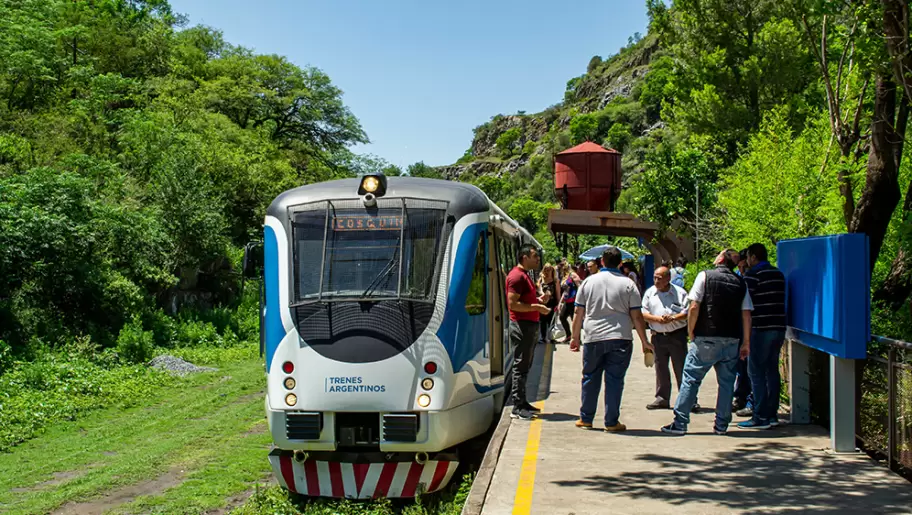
(719, 325)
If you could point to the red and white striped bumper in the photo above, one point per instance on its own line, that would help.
(318, 478)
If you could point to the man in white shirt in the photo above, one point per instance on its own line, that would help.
(719, 325)
(608, 308)
(665, 309)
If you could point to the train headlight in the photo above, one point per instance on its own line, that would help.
(424, 400)
(374, 184)
(288, 367)
(370, 184)
(427, 383)
(289, 383)
(430, 367)
(292, 399)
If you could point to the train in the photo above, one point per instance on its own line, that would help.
(384, 330)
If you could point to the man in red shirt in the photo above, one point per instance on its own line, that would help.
(525, 306)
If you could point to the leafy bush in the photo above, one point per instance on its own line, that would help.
(618, 136)
(584, 127)
(134, 344)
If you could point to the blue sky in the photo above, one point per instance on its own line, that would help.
(420, 75)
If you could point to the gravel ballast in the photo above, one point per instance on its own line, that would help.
(177, 366)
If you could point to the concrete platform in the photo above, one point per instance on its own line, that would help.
(548, 466)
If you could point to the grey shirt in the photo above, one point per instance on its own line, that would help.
(607, 297)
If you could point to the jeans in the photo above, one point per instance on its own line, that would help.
(523, 336)
(705, 353)
(611, 357)
(766, 345)
(743, 394)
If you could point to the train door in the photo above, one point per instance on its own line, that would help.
(497, 301)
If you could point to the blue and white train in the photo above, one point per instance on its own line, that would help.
(384, 331)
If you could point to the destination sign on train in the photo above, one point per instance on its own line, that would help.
(367, 223)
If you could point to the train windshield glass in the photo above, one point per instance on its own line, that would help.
(343, 251)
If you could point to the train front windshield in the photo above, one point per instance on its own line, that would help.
(344, 251)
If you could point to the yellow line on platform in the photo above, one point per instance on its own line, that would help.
(522, 503)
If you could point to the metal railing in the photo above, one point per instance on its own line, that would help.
(884, 425)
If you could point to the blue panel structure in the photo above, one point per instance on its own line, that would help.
(829, 292)
(648, 270)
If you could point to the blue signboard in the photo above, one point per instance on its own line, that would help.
(828, 291)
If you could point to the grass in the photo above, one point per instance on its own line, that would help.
(183, 445)
(203, 439)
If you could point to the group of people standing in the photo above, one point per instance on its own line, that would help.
(732, 320)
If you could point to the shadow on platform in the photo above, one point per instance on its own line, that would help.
(757, 477)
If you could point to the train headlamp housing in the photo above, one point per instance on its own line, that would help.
(374, 184)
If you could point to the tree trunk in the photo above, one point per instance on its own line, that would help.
(881, 191)
(898, 284)
(845, 186)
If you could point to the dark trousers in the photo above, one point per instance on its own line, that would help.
(743, 394)
(766, 346)
(545, 323)
(523, 337)
(671, 346)
(611, 358)
(565, 314)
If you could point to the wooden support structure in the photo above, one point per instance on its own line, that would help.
(664, 247)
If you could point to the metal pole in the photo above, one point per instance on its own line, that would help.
(891, 408)
(697, 242)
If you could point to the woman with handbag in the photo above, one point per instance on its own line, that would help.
(548, 283)
(569, 285)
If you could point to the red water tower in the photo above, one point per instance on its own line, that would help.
(588, 177)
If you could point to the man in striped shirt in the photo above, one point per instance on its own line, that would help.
(766, 285)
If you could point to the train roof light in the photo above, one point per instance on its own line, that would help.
(373, 183)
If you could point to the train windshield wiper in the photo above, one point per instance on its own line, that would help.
(383, 273)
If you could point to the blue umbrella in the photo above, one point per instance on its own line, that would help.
(596, 252)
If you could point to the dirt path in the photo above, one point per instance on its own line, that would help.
(123, 495)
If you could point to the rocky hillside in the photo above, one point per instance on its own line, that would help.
(616, 103)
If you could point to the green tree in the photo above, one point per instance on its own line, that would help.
(507, 140)
(494, 187)
(584, 127)
(594, 63)
(735, 60)
(618, 136)
(775, 191)
(420, 169)
(667, 188)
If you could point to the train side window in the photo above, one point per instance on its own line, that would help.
(476, 301)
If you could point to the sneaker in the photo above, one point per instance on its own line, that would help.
(583, 425)
(674, 429)
(696, 407)
(522, 414)
(658, 404)
(754, 424)
(531, 408)
(745, 412)
(719, 431)
(617, 428)
(774, 422)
